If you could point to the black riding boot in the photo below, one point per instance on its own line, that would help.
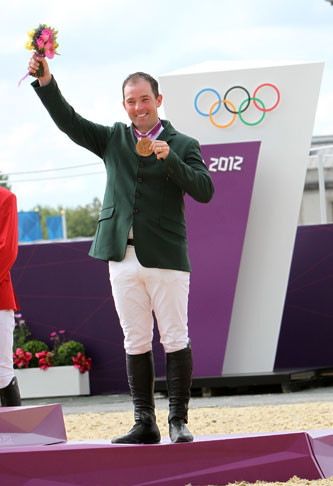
(140, 373)
(179, 380)
(10, 395)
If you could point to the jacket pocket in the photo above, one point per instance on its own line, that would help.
(177, 227)
(106, 213)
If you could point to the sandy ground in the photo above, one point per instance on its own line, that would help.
(295, 481)
(215, 420)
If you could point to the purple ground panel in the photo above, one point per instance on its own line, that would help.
(23, 426)
(208, 460)
(322, 445)
(306, 335)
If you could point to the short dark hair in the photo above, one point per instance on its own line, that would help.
(135, 77)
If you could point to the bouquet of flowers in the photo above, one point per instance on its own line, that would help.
(43, 41)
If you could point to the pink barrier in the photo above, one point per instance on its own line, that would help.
(214, 459)
(322, 445)
(23, 426)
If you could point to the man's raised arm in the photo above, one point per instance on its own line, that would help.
(89, 135)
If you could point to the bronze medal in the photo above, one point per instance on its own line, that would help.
(142, 147)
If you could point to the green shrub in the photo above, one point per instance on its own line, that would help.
(66, 351)
(34, 347)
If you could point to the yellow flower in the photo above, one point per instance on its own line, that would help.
(31, 33)
(29, 45)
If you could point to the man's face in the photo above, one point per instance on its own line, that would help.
(141, 105)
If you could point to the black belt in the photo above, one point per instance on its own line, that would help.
(130, 242)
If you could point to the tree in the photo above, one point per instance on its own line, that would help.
(44, 212)
(4, 181)
(80, 220)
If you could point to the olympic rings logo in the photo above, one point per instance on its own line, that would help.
(244, 105)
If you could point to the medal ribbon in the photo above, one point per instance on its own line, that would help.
(151, 132)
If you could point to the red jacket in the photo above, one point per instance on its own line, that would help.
(8, 248)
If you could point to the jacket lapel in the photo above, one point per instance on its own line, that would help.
(168, 133)
(132, 140)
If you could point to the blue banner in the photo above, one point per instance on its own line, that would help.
(29, 226)
(54, 227)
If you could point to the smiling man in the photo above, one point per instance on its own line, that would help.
(141, 233)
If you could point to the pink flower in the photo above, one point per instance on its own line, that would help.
(44, 360)
(49, 53)
(48, 45)
(47, 34)
(45, 42)
(81, 362)
(22, 358)
(40, 43)
(62, 331)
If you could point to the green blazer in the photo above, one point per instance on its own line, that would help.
(140, 191)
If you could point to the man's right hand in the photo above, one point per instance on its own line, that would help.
(33, 66)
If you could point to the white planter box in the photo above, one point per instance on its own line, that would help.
(57, 381)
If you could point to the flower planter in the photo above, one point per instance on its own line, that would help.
(57, 381)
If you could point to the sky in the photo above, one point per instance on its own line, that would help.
(102, 41)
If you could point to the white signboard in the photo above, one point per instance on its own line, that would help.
(281, 117)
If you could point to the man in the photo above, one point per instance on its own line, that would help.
(141, 232)
(9, 391)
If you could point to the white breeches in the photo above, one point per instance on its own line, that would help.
(137, 291)
(7, 323)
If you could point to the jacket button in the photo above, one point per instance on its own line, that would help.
(140, 179)
(141, 164)
(135, 210)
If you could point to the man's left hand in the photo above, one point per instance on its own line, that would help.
(160, 148)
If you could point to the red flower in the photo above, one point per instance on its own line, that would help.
(44, 360)
(81, 362)
(22, 358)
